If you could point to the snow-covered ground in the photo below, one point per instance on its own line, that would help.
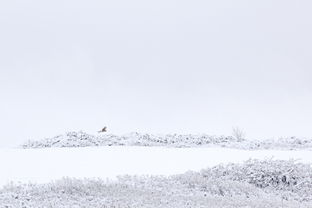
(46, 164)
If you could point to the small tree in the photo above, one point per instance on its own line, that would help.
(238, 133)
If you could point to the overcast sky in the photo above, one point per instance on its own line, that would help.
(165, 66)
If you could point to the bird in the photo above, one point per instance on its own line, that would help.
(103, 130)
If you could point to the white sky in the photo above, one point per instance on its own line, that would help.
(160, 66)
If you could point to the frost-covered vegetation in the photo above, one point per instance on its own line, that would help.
(270, 183)
(81, 139)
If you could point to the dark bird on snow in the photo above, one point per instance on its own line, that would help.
(103, 130)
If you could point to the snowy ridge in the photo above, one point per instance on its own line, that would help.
(81, 139)
(255, 183)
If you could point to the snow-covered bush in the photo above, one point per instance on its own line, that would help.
(293, 179)
(238, 133)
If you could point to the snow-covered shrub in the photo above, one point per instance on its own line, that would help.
(293, 179)
(238, 133)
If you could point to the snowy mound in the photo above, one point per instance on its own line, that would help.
(81, 139)
(252, 184)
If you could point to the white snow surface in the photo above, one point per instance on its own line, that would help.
(46, 164)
